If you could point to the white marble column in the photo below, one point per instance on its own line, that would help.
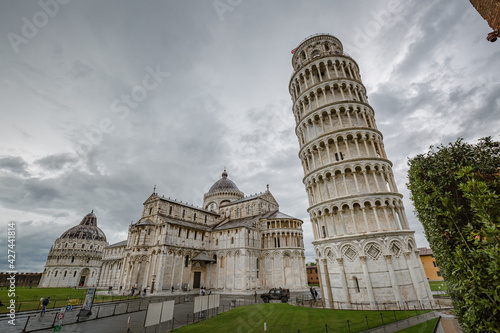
(368, 282)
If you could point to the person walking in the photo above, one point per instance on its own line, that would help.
(312, 292)
(45, 302)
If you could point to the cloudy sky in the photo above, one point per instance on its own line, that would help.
(102, 100)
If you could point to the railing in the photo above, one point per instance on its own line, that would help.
(36, 322)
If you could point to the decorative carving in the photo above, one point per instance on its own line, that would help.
(330, 255)
(373, 251)
(350, 253)
(395, 249)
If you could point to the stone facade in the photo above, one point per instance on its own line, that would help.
(75, 259)
(233, 244)
(364, 248)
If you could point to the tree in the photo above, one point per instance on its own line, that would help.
(456, 193)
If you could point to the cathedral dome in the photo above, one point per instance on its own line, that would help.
(87, 229)
(223, 185)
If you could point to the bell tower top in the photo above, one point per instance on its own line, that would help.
(315, 46)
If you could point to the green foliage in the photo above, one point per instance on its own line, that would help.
(455, 190)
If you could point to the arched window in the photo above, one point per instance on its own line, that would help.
(356, 284)
(232, 240)
(194, 217)
(150, 210)
(91, 246)
(257, 266)
(248, 209)
(186, 262)
(170, 211)
(65, 274)
(55, 275)
(237, 212)
(72, 259)
(205, 219)
(149, 232)
(183, 213)
(179, 235)
(74, 274)
(324, 231)
(216, 242)
(74, 245)
(83, 246)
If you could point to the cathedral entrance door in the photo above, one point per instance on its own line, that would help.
(83, 277)
(197, 279)
(82, 281)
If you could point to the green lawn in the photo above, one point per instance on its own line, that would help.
(425, 327)
(436, 284)
(29, 299)
(281, 317)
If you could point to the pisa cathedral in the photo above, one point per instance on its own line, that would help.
(233, 244)
(364, 248)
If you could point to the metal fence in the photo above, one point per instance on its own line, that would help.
(36, 322)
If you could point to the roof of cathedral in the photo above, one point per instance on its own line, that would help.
(279, 215)
(122, 243)
(87, 229)
(251, 221)
(223, 185)
(145, 222)
(250, 197)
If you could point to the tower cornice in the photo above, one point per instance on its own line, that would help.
(368, 196)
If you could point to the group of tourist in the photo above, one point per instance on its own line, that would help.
(203, 291)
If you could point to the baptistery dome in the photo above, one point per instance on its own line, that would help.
(87, 229)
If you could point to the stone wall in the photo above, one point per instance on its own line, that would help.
(22, 279)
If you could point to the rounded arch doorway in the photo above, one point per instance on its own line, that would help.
(83, 277)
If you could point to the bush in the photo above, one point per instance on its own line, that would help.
(455, 190)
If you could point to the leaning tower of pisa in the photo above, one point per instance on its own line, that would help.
(365, 250)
